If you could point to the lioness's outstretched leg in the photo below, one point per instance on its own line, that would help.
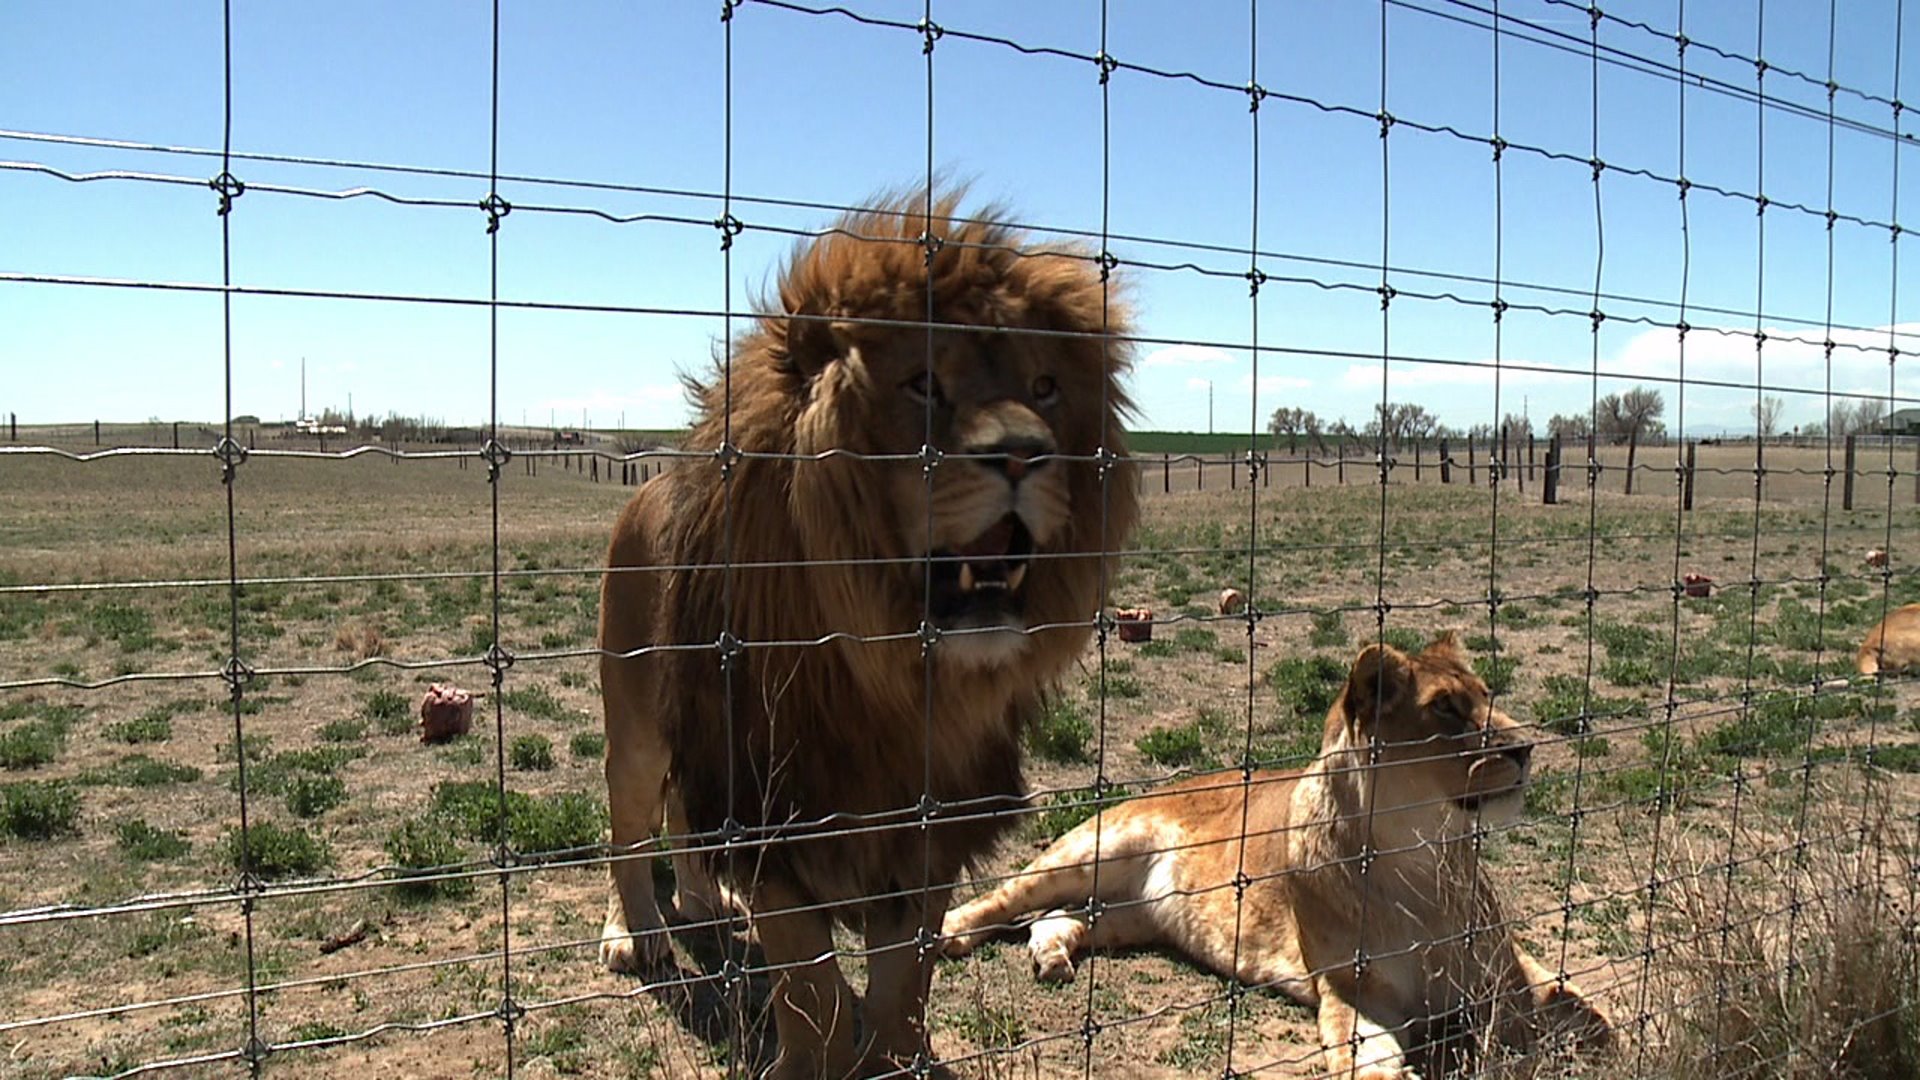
(1357, 1047)
(812, 1005)
(1063, 877)
(1550, 1006)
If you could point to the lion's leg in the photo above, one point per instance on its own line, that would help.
(1062, 877)
(1357, 1047)
(811, 1002)
(1550, 1005)
(1057, 937)
(899, 973)
(634, 937)
(697, 895)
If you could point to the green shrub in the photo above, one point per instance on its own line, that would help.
(343, 731)
(1329, 630)
(1496, 672)
(1060, 732)
(1065, 810)
(1176, 747)
(141, 771)
(32, 743)
(390, 712)
(152, 726)
(311, 794)
(421, 845)
(587, 745)
(553, 823)
(142, 842)
(531, 753)
(1307, 685)
(39, 809)
(275, 851)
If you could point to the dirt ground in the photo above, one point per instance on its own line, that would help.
(1680, 743)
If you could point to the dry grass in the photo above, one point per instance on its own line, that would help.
(1206, 684)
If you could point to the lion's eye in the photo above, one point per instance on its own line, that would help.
(922, 387)
(1045, 390)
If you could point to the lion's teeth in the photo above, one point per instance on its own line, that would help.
(1016, 575)
(966, 578)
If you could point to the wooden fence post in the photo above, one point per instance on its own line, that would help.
(96, 433)
(1529, 458)
(1686, 478)
(1340, 463)
(1233, 473)
(1550, 483)
(1199, 473)
(1633, 449)
(1846, 485)
(1473, 474)
(1446, 463)
(1166, 474)
(1416, 462)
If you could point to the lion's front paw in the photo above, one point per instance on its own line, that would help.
(633, 954)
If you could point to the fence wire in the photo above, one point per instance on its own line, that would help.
(1721, 828)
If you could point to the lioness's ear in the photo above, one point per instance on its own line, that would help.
(1446, 647)
(1380, 676)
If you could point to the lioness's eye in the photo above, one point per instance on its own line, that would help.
(1045, 390)
(923, 386)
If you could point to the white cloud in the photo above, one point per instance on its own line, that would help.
(1273, 384)
(1187, 355)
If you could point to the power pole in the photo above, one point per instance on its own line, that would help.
(1209, 406)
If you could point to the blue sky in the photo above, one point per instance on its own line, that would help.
(827, 110)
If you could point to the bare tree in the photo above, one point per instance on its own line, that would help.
(1398, 422)
(1869, 416)
(1518, 428)
(1631, 416)
(1766, 416)
(1571, 426)
(1293, 422)
(1842, 419)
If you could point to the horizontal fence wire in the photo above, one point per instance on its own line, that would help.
(1753, 774)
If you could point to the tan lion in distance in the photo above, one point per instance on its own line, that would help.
(1342, 859)
(804, 702)
(1894, 645)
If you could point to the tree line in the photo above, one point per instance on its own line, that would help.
(1629, 417)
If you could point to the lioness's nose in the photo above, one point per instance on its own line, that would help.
(1521, 753)
(1015, 455)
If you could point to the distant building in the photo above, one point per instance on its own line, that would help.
(1901, 422)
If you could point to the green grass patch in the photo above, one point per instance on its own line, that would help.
(275, 851)
(1061, 731)
(39, 809)
(587, 745)
(531, 753)
(142, 842)
(140, 771)
(539, 703)
(1307, 685)
(311, 794)
(534, 824)
(30, 744)
(1066, 810)
(349, 730)
(390, 713)
(420, 845)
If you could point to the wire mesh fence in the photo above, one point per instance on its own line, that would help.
(1580, 747)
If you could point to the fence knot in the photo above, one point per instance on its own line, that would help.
(1255, 95)
(1499, 146)
(498, 659)
(728, 646)
(236, 673)
(1596, 317)
(229, 188)
(509, 1011)
(496, 208)
(1386, 293)
(229, 453)
(1685, 185)
(727, 8)
(930, 457)
(1760, 204)
(726, 455)
(1256, 277)
(1827, 347)
(729, 227)
(1681, 41)
(256, 1050)
(929, 807)
(1598, 166)
(1109, 262)
(1759, 338)
(1500, 309)
(930, 32)
(495, 453)
(1386, 121)
(929, 634)
(1682, 327)
(1107, 65)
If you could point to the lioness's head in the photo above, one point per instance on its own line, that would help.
(946, 392)
(1442, 751)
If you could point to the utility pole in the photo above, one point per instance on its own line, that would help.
(1209, 406)
(303, 388)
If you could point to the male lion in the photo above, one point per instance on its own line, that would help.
(1363, 854)
(897, 543)
(1894, 645)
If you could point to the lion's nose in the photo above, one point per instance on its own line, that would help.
(1521, 753)
(1015, 455)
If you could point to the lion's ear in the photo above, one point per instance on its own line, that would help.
(1380, 677)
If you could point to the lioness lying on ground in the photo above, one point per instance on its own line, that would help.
(1894, 645)
(1342, 860)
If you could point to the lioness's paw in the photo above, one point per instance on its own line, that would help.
(1052, 964)
(627, 954)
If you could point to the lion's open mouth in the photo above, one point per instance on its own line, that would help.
(984, 574)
